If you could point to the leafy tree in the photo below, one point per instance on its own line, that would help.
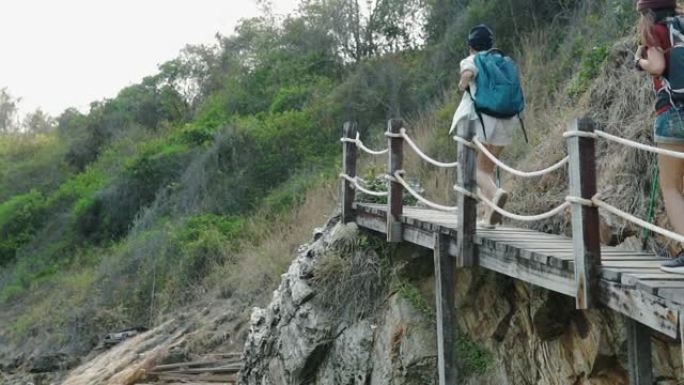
(38, 122)
(8, 112)
(363, 30)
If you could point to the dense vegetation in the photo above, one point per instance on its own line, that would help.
(122, 214)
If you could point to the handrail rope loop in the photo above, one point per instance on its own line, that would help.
(422, 155)
(523, 174)
(465, 192)
(581, 201)
(581, 134)
(363, 147)
(523, 218)
(359, 144)
(465, 142)
(639, 146)
(414, 193)
(393, 135)
(357, 186)
(638, 221)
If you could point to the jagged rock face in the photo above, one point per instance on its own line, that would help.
(298, 340)
(533, 336)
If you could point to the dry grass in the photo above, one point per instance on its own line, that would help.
(263, 258)
(619, 99)
(350, 278)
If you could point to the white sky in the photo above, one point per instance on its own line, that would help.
(67, 53)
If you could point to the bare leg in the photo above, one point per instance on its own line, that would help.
(672, 183)
(485, 172)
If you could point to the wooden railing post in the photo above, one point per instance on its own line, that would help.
(445, 284)
(585, 219)
(394, 201)
(467, 205)
(639, 353)
(349, 168)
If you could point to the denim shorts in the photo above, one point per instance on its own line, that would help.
(669, 127)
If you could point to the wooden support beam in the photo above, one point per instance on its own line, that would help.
(681, 332)
(395, 205)
(349, 153)
(446, 311)
(467, 206)
(639, 350)
(585, 220)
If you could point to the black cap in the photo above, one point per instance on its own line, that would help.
(481, 38)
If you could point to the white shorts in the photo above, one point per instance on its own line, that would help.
(499, 132)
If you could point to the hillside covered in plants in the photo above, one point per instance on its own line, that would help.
(195, 186)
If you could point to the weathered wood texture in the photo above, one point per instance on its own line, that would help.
(396, 161)
(639, 352)
(349, 154)
(630, 282)
(585, 220)
(467, 206)
(446, 309)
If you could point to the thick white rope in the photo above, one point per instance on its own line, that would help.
(582, 134)
(464, 142)
(523, 174)
(465, 192)
(640, 222)
(359, 144)
(357, 186)
(640, 146)
(421, 154)
(523, 218)
(436, 206)
(392, 135)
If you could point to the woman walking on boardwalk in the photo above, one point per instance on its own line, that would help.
(497, 132)
(656, 56)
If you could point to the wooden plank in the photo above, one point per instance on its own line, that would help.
(643, 307)
(371, 222)
(585, 220)
(182, 377)
(219, 369)
(349, 158)
(446, 318)
(639, 353)
(630, 264)
(681, 331)
(467, 206)
(672, 294)
(188, 364)
(537, 274)
(632, 279)
(419, 237)
(395, 205)
(653, 286)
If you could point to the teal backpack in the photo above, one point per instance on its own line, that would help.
(499, 93)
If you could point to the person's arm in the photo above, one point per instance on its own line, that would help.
(466, 77)
(654, 63)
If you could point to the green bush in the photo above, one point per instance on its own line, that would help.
(20, 218)
(590, 66)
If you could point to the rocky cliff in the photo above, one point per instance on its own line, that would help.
(510, 332)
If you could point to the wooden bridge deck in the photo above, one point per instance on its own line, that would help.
(631, 281)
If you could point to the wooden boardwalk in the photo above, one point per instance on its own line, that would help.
(628, 282)
(631, 282)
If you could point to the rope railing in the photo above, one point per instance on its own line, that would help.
(625, 142)
(523, 218)
(597, 202)
(422, 155)
(359, 144)
(357, 186)
(397, 176)
(524, 174)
